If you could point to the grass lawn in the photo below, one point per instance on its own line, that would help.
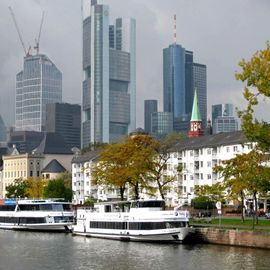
(230, 221)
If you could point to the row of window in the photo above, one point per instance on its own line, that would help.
(22, 220)
(135, 225)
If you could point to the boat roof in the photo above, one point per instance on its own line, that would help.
(32, 201)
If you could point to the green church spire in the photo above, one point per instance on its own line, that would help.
(196, 115)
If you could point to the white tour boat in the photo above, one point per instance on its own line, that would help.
(40, 215)
(142, 220)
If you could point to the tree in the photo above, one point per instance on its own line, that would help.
(246, 174)
(112, 169)
(18, 189)
(214, 193)
(157, 164)
(35, 187)
(256, 74)
(58, 188)
(124, 165)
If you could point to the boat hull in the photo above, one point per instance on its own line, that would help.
(67, 227)
(169, 236)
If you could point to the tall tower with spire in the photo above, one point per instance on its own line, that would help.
(195, 129)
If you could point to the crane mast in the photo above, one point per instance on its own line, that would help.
(27, 52)
(38, 39)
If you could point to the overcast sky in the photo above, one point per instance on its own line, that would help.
(219, 32)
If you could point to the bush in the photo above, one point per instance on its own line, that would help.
(202, 202)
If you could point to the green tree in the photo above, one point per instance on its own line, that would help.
(18, 189)
(158, 161)
(255, 74)
(58, 188)
(214, 193)
(246, 174)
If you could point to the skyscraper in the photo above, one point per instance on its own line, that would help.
(109, 85)
(174, 80)
(65, 119)
(39, 83)
(200, 84)
(223, 119)
(180, 77)
(150, 106)
(3, 131)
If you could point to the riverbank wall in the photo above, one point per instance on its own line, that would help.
(232, 237)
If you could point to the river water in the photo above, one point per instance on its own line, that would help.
(38, 251)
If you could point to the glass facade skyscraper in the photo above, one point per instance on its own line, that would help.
(150, 106)
(174, 80)
(200, 84)
(161, 123)
(180, 78)
(3, 131)
(38, 84)
(109, 84)
(223, 119)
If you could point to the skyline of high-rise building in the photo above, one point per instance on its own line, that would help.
(109, 67)
(38, 84)
(180, 78)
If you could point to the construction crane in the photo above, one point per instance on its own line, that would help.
(38, 39)
(27, 52)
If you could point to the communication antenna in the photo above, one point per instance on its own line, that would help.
(27, 52)
(38, 39)
(174, 29)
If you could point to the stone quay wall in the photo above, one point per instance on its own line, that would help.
(231, 237)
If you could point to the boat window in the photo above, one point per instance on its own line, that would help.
(143, 204)
(7, 207)
(108, 225)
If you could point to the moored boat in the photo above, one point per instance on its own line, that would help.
(141, 220)
(39, 215)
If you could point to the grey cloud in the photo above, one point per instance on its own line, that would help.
(220, 33)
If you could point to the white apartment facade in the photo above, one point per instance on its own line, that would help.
(197, 156)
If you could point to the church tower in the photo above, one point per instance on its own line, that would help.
(195, 129)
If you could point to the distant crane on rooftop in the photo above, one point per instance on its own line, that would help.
(37, 40)
(27, 52)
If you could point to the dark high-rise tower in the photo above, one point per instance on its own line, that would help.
(150, 106)
(65, 119)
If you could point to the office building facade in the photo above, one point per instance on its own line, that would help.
(109, 85)
(174, 80)
(39, 83)
(3, 131)
(161, 124)
(65, 119)
(180, 78)
(150, 106)
(223, 119)
(200, 84)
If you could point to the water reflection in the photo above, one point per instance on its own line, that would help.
(28, 250)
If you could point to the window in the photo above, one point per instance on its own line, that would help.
(201, 176)
(201, 164)
(227, 149)
(209, 151)
(209, 176)
(235, 149)
(208, 163)
(31, 173)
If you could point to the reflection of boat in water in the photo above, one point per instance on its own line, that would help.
(41, 215)
(142, 220)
